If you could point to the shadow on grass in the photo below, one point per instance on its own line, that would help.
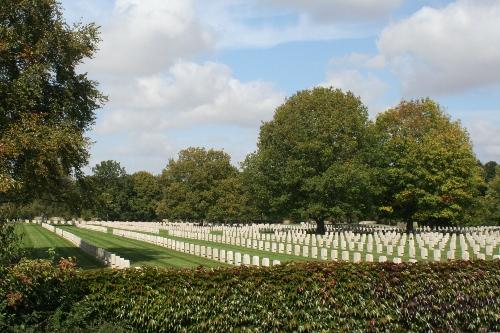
(84, 260)
(153, 257)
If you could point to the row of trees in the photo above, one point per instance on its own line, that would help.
(320, 158)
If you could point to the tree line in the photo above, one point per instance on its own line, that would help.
(320, 158)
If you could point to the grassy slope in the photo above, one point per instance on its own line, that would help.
(141, 253)
(38, 240)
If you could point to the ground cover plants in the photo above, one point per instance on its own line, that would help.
(300, 297)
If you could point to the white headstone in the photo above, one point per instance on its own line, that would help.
(255, 260)
(237, 259)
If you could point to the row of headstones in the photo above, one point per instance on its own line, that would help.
(53, 222)
(107, 258)
(303, 250)
(298, 234)
(222, 255)
(92, 227)
(256, 228)
(133, 226)
(312, 241)
(239, 241)
(430, 241)
(229, 257)
(303, 227)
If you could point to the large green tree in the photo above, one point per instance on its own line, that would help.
(233, 203)
(489, 205)
(145, 195)
(490, 170)
(45, 104)
(312, 159)
(111, 189)
(432, 174)
(191, 184)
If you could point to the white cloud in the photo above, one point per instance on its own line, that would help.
(367, 86)
(187, 95)
(142, 37)
(340, 10)
(266, 23)
(445, 50)
(484, 135)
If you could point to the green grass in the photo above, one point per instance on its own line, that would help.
(141, 253)
(37, 241)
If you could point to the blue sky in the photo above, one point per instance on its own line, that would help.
(182, 73)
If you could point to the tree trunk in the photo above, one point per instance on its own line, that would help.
(409, 226)
(320, 227)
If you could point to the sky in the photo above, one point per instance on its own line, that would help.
(207, 73)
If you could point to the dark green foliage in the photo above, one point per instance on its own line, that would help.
(33, 291)
(312, 159)
(202, 185)
(45, 104)
(310, 297)
(10, 244)
(110, 189)
(488, 205)
(490, 170)
(431, 173)
(145, 195)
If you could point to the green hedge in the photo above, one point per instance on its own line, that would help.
(306, 297)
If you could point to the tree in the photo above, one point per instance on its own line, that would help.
(189, 183)
(311, 161)
(45, 105)
(232, 202)
(111, 188)
(491, 202)
(490, 170)
(432, 175)
(145, 195)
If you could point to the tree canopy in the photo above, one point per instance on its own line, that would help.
(311, 158)
(145, 195)
(431, 172)
(195, 184)
(45, 105)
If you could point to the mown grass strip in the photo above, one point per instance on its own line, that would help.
(37, 241)
(142, 253)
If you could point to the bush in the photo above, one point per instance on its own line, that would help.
(306, 297)
(10, 243)
(34, 290)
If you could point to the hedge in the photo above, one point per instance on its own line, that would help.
(297, 297)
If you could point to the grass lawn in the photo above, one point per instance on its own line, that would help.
(37, 241)
(141, 253)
